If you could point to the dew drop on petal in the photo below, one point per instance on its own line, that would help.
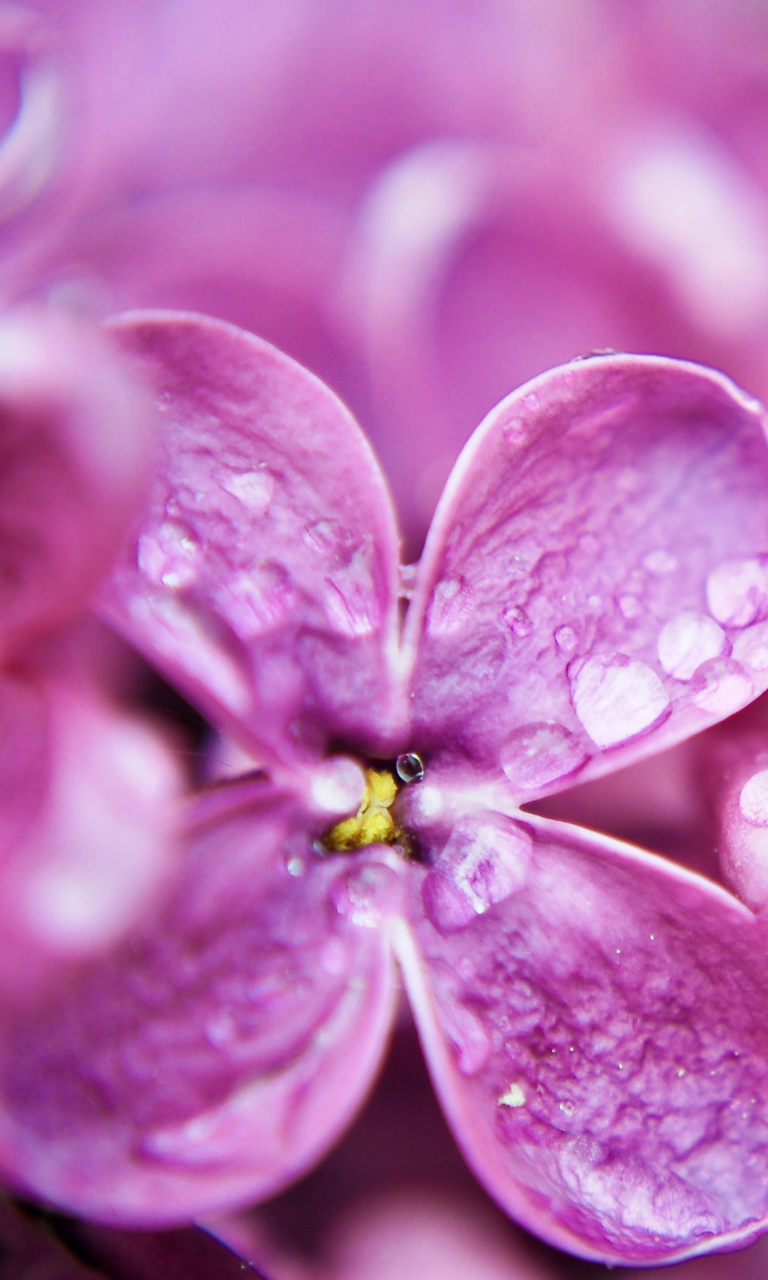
(168, 556)
(540, 753)
(750, 647)
(257, 600)
(686, 641)
(753, 800)
(451, 606)
(617, 698)
(366, 895)
(518, 621)
(737, 592)
(253, 489)
(350, 601)
(485, 860)
(721, 687)
(565, 639)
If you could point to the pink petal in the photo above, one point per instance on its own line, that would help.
(264, 578)
(595, 583)
(598, 1040)
(87, 822)
(222, 1049)
(75, 441)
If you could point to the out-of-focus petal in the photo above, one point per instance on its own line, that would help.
(30, 144)
(75, 441)
(223, 1048)
(87, 823)
(597, 1041)
(264, 578)
(476, 266)
(595, 584)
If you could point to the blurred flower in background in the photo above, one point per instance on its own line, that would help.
(426, 205)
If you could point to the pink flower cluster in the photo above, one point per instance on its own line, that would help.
(427, 206)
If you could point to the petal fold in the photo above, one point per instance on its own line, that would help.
(598, 1041)
(264, 576)
(595, 583)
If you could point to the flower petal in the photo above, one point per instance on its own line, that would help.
(595, 583)
(264, 578)
(75, 440)
(223, 1048)
(87, 829)
(598, 1041)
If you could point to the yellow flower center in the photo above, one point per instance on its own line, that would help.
(373, 823)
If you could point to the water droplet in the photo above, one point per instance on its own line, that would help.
(540, 753)
(721, 687)
(514, 432)
(253, 489)
(594, 601)
(467, 1034)
(531, 402)
(630, 606)
(486, 859)
(753, 800)
(660, 561)
(565, 639)
(451, 607)
(257, 599)
(294, 865)
(324, 536)
(737, 592)
(367, 894)
(518, 621)
(351, 604)
(686, 641)
(750, 647)
(568, 1107)
(409, 767)
(168, 556)
(617, 698)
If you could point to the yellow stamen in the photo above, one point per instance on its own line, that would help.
(373, 823)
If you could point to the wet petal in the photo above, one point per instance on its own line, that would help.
(75, 441)
(263, 578)
(595, 584)
(223, 1048)
(598, 1042)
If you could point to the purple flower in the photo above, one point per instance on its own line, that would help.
(594, 588)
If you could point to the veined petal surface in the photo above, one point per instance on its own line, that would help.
(595, 582)
(598, 1042)
(220, 1051)
(264, 576)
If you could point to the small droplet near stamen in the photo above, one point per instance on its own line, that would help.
(409, 767)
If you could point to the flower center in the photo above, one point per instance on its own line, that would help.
(374, 822)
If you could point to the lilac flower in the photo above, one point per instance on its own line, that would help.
(594, 588)
(85, 836)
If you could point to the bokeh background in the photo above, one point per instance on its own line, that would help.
(426, 202)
